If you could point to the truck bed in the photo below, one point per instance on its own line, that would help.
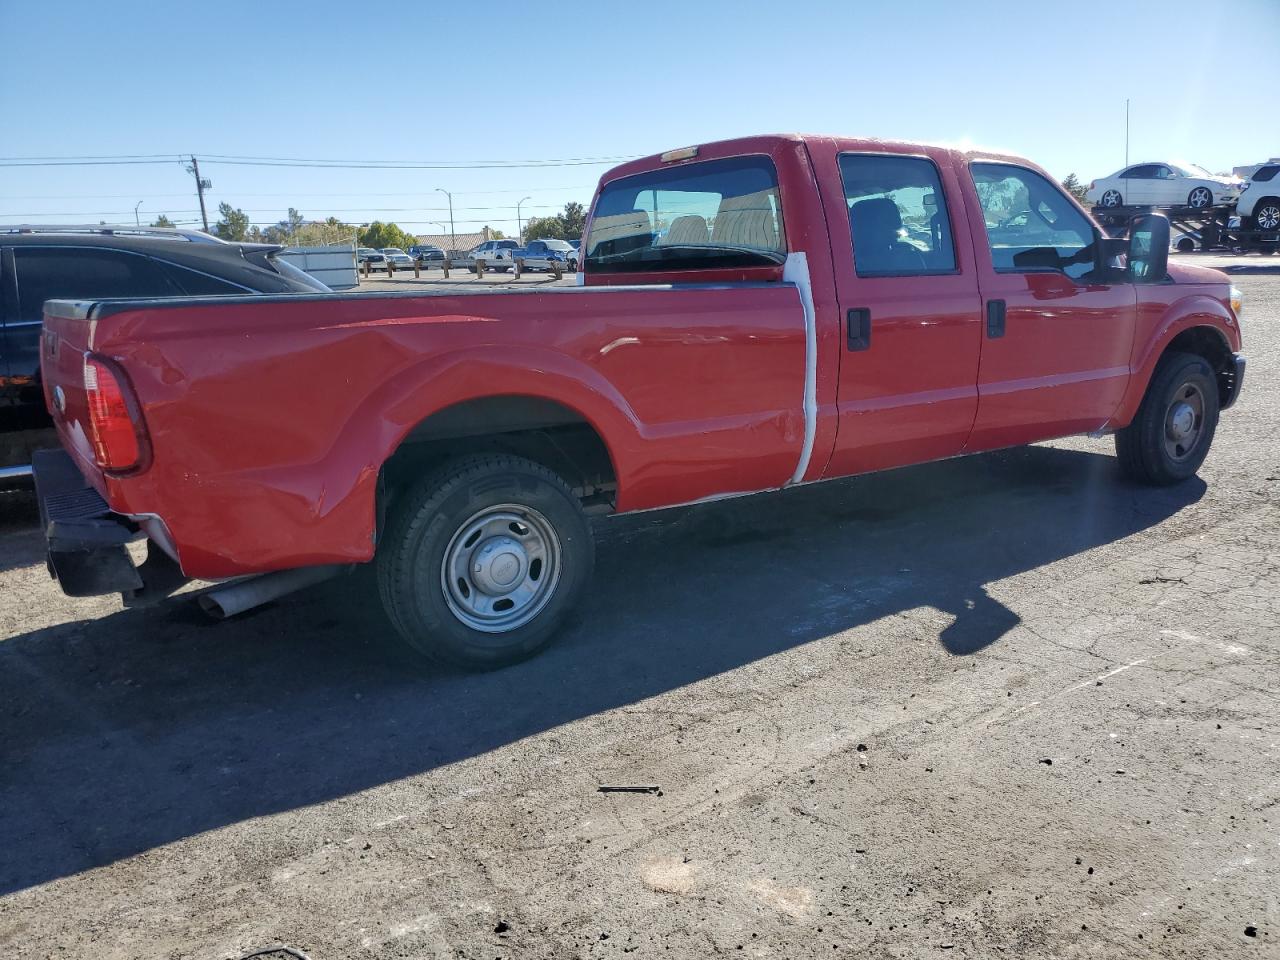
(275, 414)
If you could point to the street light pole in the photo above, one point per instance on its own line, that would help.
(136, 221)
(453, 237)
(519, 228)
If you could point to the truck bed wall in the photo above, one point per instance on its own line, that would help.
(270, 418)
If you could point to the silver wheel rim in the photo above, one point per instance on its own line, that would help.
(1200, 197)
(1184, 422)
(501, 568)
(1111, 199)
(1268, 217)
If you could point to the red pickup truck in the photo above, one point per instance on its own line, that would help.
(750, 315)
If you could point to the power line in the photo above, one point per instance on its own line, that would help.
(328, 210)
(230, 160)
(295, 196)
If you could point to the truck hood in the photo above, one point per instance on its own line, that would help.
(1189, 273)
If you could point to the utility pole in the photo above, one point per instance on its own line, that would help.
(519, 228)
(1126, 131)
(136, 221)
(201, 187)
(453, 237)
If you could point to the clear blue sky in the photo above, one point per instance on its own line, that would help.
(358, 80)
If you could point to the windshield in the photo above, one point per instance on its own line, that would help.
(720, 213)
(394, 252)
(1191, 170)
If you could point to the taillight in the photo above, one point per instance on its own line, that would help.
(116, 443)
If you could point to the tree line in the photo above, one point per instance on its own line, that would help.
(296, 230)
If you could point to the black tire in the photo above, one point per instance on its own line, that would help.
(1143, 447)
(1199, 198)
(1186, 245)
(426, 524)
(1111, 198)
(1266, 214)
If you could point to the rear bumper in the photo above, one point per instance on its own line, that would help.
(86, 542)
(1235, 378)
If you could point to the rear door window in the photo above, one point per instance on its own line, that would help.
(718, 213)
(897, 215)
(88, 273)
(197, 284)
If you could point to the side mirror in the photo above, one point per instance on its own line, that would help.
(1148, 252)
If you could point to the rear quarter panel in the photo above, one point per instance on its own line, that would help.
(270, 419)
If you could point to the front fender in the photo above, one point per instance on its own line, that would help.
(1196, 310)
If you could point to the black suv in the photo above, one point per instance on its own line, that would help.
(47, 263)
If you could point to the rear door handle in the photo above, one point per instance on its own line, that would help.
(995, 319)
(858, 322)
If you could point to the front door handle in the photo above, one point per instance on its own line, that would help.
(995, 319)
(858, 322)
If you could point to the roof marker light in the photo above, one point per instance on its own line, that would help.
(684, 153)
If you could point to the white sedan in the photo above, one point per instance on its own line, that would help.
(1163, 185)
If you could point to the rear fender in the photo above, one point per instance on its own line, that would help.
(380, 424)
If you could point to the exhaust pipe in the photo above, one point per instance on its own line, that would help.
(238, 596)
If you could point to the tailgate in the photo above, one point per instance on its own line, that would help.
(67, 337)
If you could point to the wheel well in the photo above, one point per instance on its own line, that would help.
(540, 430)
(1210, 344)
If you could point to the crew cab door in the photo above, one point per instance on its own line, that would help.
(1058, 326)
(908, 302)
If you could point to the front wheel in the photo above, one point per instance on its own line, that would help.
(482, 562)
(1111, 198)
(1173, 429)
(1199, 198)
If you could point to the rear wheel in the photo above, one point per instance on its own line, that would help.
(482, 561)
(1267, 214)
(1111, 198)
(1200, 197)
(1171, 434)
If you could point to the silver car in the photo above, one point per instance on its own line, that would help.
(398, 258)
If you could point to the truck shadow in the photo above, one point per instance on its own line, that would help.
(144, 727)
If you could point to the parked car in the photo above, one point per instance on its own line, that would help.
(1259, 203)
(372, 257)
(1182, 242)
(780, 332)
(494, 254)
(397, 258)
(426, 254)
(91, 262)
(1163, 185)
(542, 254)
(576, 259)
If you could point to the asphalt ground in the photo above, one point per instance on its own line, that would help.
(1000, 706)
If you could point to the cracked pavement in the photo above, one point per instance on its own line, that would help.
(1007, 705)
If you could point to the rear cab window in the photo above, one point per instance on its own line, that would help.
(717, 213)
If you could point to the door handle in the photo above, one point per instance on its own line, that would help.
(995, 319)
(858, 322)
